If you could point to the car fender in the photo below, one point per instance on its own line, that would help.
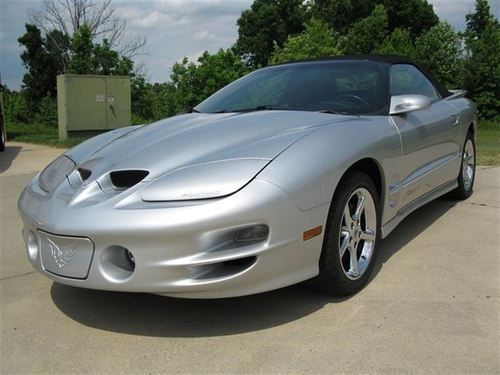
(311, 169)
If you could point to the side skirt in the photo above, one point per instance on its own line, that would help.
(417, 203)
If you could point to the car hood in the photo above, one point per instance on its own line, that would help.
(192, 139)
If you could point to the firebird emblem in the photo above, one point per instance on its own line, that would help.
(61, 256)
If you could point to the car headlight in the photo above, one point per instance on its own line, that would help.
(55, 173)
(204, 181)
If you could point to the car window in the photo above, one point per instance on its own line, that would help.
(408, 80)
(345, 87)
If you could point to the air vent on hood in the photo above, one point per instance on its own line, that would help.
(84, 173)
(127, 179)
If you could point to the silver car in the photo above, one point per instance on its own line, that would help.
(294, 172)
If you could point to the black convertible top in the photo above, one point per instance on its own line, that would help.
(385, 59)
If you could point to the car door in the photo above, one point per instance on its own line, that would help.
(430, 149)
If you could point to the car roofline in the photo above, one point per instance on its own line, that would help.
(384, 59)
(387, 59)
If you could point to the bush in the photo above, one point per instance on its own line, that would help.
(47, 112)
(16, 108)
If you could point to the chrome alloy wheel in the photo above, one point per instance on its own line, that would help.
(468, 163)
(357, 233)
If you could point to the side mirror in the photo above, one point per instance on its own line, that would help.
(401, 104)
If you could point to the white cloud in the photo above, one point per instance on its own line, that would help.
(202, 35)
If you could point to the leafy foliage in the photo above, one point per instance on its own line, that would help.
(195, 82)
(47, 112)
(367, 34)
(43, 64)
(16, 107)
(316, 41)
(481, 73)
(398, 43)
(415, 16)
(98, 58)
(266, 24)
(341, 14)
(440, 49)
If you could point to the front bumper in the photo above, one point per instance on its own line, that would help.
(184, 250)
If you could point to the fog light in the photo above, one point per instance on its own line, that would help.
(117, 263)
(255, 233)
(130, 258)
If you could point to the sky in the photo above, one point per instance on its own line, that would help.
(173, 29)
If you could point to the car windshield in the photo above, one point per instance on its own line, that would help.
(343, 87)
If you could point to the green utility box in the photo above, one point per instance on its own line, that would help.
(92, 103)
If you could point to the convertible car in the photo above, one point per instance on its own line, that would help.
(293, 172)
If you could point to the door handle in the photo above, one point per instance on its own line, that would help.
(455, 119)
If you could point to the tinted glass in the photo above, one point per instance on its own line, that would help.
(351, 87)
(408, 80)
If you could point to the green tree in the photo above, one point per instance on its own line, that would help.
(398, 43)
(142, 98)
(101, 18)
(478, 21)
(81, 51)
(267, 23)
(481, 73)
(195, 82)
(440, 49)
(43, 65)
(317, 40)
(89, 58)
(341, 14)
(415, 16)
(367, 34)
(164, 100)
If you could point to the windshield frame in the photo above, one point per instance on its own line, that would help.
(380, 67)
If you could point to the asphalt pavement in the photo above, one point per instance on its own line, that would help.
(433, 306)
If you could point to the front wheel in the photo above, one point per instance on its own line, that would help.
(351, 236)
(467, 172)
(2, 136)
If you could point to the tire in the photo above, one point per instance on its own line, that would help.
(337, 273)
(467, 169)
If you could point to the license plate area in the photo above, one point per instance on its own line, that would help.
(66, 256)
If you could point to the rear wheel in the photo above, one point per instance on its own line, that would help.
(351, 236)
(467, 173)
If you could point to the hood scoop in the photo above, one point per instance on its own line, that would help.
(127, 179)
(106, 186)
(84, 173)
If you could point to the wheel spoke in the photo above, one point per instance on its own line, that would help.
(368, 234)
(344, 244)
(354, 261)
(347, 216)
(359, 207)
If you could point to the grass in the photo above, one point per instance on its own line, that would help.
(488, 139)
(488, 143)
(41, 134)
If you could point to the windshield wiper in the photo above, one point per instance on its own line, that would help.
(253, 109)
(333, 112)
